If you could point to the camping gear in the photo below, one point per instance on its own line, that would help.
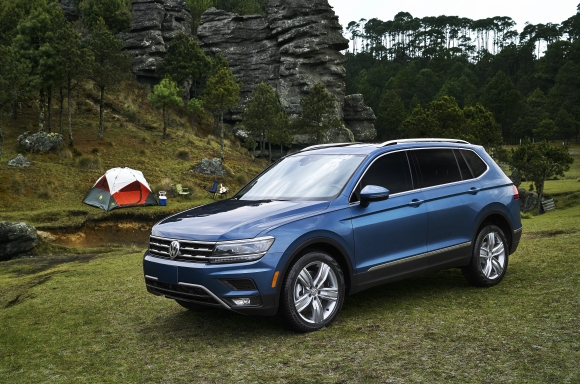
(182, 191)
(162, 198)
(118, 188)
(213, 190)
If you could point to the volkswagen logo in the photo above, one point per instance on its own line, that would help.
(174, 249)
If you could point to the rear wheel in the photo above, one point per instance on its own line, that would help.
(313, 293)
(490, 258)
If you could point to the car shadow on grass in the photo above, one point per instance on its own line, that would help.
(214, 322)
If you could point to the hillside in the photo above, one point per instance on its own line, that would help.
(49, 194)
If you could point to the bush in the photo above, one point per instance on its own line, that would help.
(165, 185)
(183, 155)
(65, 153)
(89, 162)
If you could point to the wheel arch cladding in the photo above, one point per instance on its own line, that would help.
(498, 219)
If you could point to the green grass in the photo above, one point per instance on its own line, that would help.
(86, 317)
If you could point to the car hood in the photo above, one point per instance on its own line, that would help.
(233, 219)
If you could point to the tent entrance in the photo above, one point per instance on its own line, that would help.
(130, 194)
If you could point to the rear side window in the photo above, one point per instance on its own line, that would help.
(437, 166)
(390, 171)
(463, 167)
(478, 167)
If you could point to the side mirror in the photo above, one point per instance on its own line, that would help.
(373, 193)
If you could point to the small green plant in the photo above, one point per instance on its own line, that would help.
(89, 162)
(183, 155)
(143, 152)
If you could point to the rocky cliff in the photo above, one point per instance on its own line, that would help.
(296, 45)
(155, 23)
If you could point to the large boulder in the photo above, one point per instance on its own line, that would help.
(40, 141)
(19, 161)
(528, 200)
(16, 238)
(209, 167)
(359, 118)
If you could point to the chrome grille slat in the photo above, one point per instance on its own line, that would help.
(191, 251)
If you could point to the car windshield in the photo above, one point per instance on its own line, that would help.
(303, 177)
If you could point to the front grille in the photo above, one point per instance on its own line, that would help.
(195, 251)
(180, 292)
(240, 284)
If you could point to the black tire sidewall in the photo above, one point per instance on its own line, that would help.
(288, 313)
(473, 272)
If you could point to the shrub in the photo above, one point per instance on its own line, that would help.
(65, 153)
(183, 155)
(76, 152)
(89, 162)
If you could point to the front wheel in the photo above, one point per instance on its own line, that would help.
(489, 260)
(313, 293)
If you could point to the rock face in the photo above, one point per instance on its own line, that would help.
(155, 23)
(40, 141)
(19, 161)
(296, 45)
(359, 118)
(16, 238)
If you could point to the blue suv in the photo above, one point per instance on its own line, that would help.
(332, 220)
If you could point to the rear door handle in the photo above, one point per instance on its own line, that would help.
(473, 190)
(415, 203)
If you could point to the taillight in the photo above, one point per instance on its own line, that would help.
(516, 193)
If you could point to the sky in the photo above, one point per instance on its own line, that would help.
(533, 11)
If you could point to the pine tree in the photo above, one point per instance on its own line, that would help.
(115, 13)
(318, 113)
(35, 42)
(222, 92)
(263, 116)
(109, 66)
(71, 57)
(164, 96)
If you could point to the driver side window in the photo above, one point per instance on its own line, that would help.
(390, 171)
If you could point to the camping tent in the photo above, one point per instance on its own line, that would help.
(118, 188)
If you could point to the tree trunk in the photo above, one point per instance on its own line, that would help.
(68, 97)
(222, 137)
(164, 122)
(101, 107)
(269, 152)
(14, 110)
(61, 101)
(1, 134)
(49, 110)
(41, 106)
(540, 190)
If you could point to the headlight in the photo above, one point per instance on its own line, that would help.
(242, 250)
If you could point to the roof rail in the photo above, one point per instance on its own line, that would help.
(320, 146)
(401, 141)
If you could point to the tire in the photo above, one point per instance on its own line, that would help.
(489, 260)
(192, 306)
(312, 294)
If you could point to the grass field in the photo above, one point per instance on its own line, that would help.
(83, 315)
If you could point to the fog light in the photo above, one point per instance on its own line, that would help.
(242, 301)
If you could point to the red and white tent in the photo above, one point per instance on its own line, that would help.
(120, 187)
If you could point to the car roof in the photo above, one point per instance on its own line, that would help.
(368, 148)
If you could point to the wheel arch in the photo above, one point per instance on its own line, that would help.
(324, 244)
(499, 219)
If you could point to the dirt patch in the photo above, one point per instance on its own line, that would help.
(105, 233)
(552, 233)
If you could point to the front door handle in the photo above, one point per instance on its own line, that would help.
(415, 203)
(473, 190)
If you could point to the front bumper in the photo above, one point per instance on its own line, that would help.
(207, 284)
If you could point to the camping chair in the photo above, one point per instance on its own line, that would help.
(213, 190)
(181, 191)
(223, 191)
